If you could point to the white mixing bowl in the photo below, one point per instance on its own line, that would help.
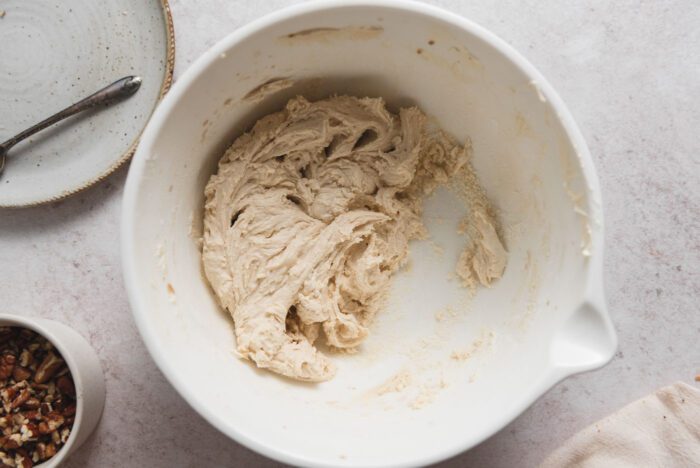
(441, 371)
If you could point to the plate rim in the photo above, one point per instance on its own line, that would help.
(164, 88)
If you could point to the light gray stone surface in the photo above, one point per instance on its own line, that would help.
(630, 73)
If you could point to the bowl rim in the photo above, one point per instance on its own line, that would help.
(38, 325)
(593, 290)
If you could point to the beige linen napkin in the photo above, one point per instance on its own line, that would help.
(660, 430)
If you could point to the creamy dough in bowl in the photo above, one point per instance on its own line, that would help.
(309, 216)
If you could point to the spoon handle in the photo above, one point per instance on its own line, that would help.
(119, 89)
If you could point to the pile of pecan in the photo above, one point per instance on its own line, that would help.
(37, 398)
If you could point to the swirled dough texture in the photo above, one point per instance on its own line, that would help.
(309, 215)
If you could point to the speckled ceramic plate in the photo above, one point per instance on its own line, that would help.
(52, 54)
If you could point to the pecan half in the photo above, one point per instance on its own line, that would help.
(48, 367)
(20, 399)
(65, 385)
(25, 358)
(7, 365)
(21, 373)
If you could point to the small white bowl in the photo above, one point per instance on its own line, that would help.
(440, 371)
(87, 375)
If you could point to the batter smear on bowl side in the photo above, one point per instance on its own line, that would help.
(310, 215)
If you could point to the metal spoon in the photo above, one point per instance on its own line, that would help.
(117, 90)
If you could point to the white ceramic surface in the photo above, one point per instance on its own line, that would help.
(543, 321)
(87, 375)
(55, 53)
